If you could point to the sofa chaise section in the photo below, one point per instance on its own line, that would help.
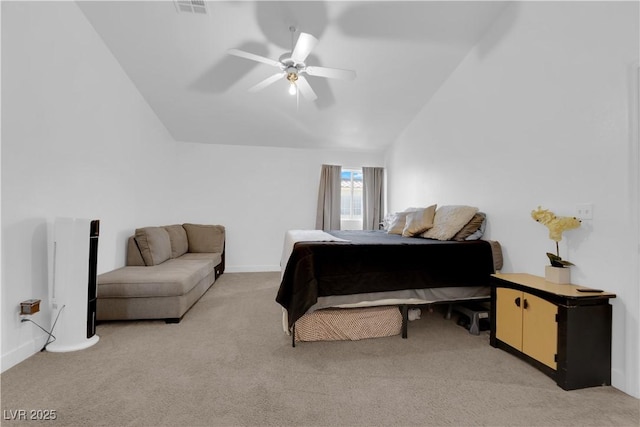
(168, 269)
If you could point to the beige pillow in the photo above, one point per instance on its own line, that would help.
(398, 222)
(449, 220)
(205, 238)
(419, 221)
(178, 237)
(154, 244)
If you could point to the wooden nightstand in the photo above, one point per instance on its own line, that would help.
(562, 331)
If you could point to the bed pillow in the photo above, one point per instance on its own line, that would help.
(154, 245)
(449, 220)
(397, 223)
(178, 238)
(399, 220)
(386, 221)
(419, 221)
(473, 230)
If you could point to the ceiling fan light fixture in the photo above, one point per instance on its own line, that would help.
(292, 77)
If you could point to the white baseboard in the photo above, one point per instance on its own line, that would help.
(623, 383)
(25, 351)
(250, 268)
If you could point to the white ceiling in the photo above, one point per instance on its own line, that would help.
(402, 52)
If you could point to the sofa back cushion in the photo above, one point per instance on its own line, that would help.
(178, 238)
(134, 257)
(205, 238)
(154, 244)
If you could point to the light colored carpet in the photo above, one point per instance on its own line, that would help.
(229, 363)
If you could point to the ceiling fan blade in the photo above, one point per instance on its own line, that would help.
(253, 57)
(332, 73)
(266, 82)
(305, 88)
(304, 46)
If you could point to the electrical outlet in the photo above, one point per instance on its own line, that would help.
(584, 211)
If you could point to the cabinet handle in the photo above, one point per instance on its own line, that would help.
(517, 301)
(525, 304)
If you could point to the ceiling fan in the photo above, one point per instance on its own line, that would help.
(292, 67)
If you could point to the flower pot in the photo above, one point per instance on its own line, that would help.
(560, 275)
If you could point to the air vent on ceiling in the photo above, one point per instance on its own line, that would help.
(191, 6)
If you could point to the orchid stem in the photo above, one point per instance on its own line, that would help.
(557, 250)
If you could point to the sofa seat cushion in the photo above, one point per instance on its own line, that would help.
(216, 258)
(174, 277)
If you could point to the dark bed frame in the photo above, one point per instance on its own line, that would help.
(374, 261)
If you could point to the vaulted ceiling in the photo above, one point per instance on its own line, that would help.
(401, 51)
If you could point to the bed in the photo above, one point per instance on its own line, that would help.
(349, 269)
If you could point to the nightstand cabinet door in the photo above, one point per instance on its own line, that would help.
(539, 329)
(528, 324)
(509, 317)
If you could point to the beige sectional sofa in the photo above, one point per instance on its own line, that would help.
(167, 270)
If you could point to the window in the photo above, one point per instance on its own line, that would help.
(351, 199)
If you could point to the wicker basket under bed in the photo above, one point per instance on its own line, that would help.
(340, 324)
